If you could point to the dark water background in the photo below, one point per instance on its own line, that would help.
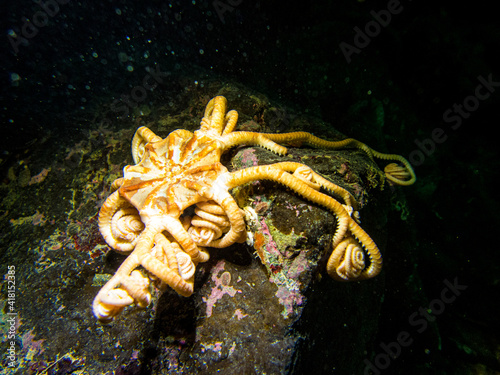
(434, 64)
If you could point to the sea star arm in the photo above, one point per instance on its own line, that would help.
(344, 222)
(142, 136)
(406, 178)
(230, 120)
(114, 295)
(182, 237)
(216, 121)
(171, 254)
(175, 270)
(115, 185)
(307, 175)
(127, 286)
(252, 139)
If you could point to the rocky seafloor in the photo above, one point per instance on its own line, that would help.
(266, 306)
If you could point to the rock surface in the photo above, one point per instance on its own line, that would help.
(267, 306)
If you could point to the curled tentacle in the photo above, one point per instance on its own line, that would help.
(120, 223)
(350, 255)
(306, 175)
(347, 260)
(110, 301)
(236, 232)
(398, 175)
(185, 266)
(209, 223)
(126, 224)
(133, 289)
(112, 304)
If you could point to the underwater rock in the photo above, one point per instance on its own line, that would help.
(267, 306)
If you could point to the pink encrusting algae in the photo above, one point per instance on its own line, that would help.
(220, 289)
